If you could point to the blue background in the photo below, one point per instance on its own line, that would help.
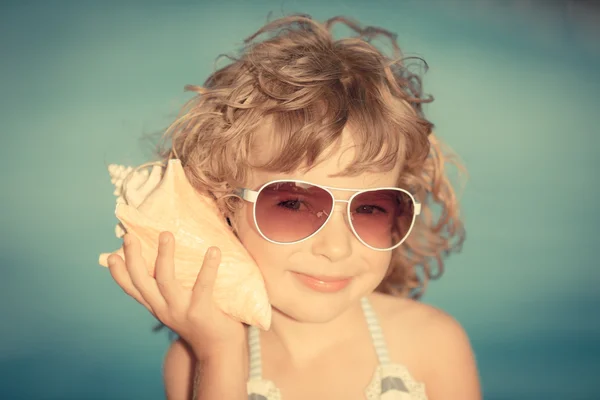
(516, 90)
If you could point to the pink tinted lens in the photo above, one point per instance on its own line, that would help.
(290, 211)
(382, 218)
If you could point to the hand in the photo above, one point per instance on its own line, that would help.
(192, 314)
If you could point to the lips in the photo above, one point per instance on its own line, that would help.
(326, 284)
(323, 278)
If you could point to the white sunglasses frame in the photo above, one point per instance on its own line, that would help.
(251, 196)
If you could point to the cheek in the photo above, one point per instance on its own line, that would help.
(246, 231)
(379, 263)
(266, 254)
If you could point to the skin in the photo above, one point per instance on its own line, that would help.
(315, 335)
(305, 323)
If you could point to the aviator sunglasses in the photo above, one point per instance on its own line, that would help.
(291, 211)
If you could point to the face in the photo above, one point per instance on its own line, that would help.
(333, 252)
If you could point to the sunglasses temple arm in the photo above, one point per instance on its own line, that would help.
(246, 194)
(417, 208)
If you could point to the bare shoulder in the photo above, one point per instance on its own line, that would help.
(178, 371)
(432, 344)
(416, 317)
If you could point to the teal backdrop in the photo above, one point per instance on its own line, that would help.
(516, 90)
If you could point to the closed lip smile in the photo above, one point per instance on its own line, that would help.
(323, 283)
(324, 278)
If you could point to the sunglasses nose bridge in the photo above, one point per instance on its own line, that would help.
(335, 201)
(336, 206)
(340, 208)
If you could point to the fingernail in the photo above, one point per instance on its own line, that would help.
(164, 239)
(212, 253)
(111, 261)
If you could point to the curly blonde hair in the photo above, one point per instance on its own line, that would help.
(309, 86)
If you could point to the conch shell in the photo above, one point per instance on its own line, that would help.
(148, 203)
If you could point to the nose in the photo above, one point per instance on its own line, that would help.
(334, 241)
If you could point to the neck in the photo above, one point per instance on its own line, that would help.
(301, 342)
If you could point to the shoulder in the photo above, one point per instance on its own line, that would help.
(435, 343)
(178, 371)
(411, 316)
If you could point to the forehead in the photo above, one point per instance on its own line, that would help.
(333, 162)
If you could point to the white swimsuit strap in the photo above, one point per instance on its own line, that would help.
(254, 349)
(376, 332)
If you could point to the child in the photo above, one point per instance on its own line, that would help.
(339, 251)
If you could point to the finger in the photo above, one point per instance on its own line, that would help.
(117, 269)
(169, 287)
(143, 282)
(203, 287)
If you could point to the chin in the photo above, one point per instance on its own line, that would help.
(309, 306)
